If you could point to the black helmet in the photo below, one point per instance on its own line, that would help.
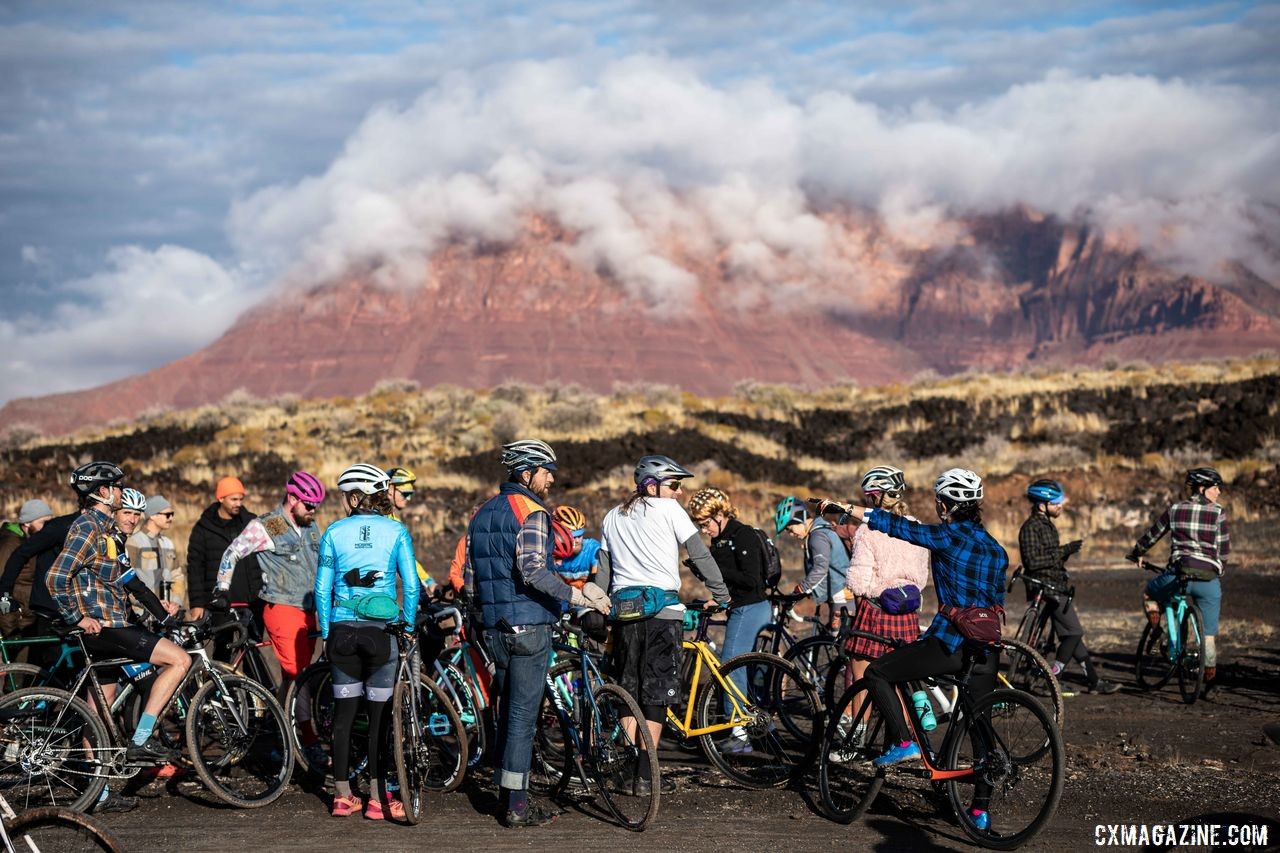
(90, 476)
(1205, 477)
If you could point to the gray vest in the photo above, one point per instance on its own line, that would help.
(289, 568)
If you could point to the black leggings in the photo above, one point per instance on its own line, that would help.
(363, 658)
(915, 661)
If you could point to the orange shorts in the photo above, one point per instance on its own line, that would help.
(289, 629)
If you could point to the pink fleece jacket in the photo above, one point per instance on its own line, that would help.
(879, 562)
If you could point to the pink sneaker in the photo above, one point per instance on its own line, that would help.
(343, 806)
(375, 811)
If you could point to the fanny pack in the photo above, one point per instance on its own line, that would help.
(632, 603)
(979, 624)
(1197, 569)
(900, 599)
(377, 607)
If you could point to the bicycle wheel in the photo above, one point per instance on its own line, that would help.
(59, 830)
(1027, 626)
(761, 750)
(614, 759)
(1191, 661)
(814, 657)
(847, 780)
(446, 738)
(1154, 666)
(1016, 754)
(19, 676)
(411, 750)
(1026, 670)
(238, 740)
(550, 741)
(464, 697)
(52, 749)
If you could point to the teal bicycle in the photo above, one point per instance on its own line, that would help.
(1175, 646)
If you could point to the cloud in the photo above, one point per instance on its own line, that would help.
(144, 309)
(647, 153)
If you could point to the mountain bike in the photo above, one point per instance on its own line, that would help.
(814, 654)
(1003, 748)
(57, 750)
(428, 740)
(53, 830)
(1035, 631)
(1175, 645)
(592, 735)
(463, 671)
(767, 731)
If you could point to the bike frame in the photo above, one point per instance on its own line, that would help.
(1175, 611)
(707, 657)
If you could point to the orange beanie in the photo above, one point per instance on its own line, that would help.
(229, 486)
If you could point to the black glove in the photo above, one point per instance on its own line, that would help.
(1072, 547)
(218, 601)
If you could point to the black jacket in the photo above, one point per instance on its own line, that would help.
(209, 539)
(45, 546)
(738, 553)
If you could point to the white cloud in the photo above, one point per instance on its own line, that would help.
(146, 308)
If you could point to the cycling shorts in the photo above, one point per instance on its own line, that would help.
(362, 658)
(647, 655)
(131, 642)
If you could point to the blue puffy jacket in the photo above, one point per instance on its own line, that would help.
(501, 589)
(375, 545)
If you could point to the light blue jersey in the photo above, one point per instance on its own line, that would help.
(381, 551)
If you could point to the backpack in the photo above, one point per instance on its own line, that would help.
(772, 563)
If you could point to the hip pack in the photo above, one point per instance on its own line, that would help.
(633, 603)
(979, 624)
(377, 607)
(900, 599)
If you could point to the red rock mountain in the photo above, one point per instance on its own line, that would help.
(1018, 287)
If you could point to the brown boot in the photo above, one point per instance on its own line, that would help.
(1153, 616)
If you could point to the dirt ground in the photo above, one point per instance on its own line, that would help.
(1133, 758)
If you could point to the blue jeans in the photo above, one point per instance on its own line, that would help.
(739, 637)
(520, 674)
(1206, 594)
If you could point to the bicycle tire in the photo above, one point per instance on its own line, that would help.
(613, 757)
(1013, 729)
(1029, 672)
(239, 742)
(412, 755)
(847, 781)
(1191, 659)
(446, 738)
(1152, 666)
(550, 742)
(70, 777)
(19, 676)
(54, 829)
(770, 756)
(462, 693)
(1027, 626)
(814, 656)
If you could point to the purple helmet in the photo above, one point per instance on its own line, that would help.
(305, 488)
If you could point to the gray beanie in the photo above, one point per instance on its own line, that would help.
(31, 510)
(156, 505)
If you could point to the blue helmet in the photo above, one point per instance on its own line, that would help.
(790, 510)
(1046, 492)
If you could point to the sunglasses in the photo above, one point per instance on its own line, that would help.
(407, 494)
(673, 485)
(310, 506)
(165, 514)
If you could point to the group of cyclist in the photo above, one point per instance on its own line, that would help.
(525, 562)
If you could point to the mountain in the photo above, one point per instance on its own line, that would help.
(1011, 289)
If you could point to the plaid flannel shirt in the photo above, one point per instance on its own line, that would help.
(968, 564)
(85, 579)
(1042, 556)
(1197, 529)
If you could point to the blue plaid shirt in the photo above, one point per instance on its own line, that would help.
(968, 564)
(88, 577)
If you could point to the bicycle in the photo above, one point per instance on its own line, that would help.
(769, 728)
(1003, 747)
(15, 675)
(813, 654)
(57, 750)
(426, 731)
(584, 736)
(1038, 672)
(1035, 631)
(463, 671)
(1175, 645)
(53, 830)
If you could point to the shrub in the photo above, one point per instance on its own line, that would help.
(570, 416)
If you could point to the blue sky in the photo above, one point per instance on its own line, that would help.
(171, 157)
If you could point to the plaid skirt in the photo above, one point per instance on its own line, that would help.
(873, 620)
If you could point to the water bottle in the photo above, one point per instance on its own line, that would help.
(924, 710)
(136, 672)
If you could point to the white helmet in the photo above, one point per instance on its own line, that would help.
(884, 478)
(528, 453)
(658, 467)
(366, 478)
(134, 499)
(959, 486)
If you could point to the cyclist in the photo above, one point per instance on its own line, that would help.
(640, 547)
(739, 554)
(288, 547)
(90, 582)
(509, 558)
(579, 566)
(880, 563)
(969, 568)
(153, 554)
(361, 558)
(826, 562)
(402, 490)
(1045, 560)
(132, 506)
(1200, 543)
